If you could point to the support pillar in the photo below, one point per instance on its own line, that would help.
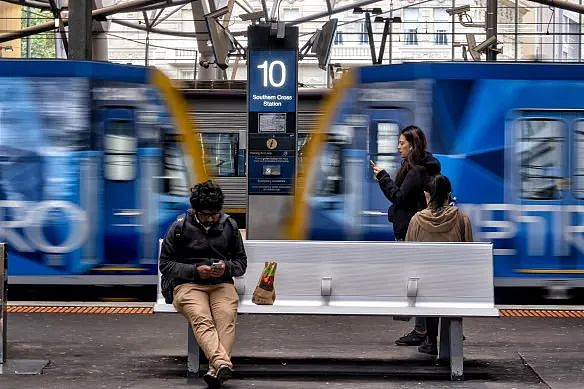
(80, 25)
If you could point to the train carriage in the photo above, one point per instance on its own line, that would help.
(509, 136)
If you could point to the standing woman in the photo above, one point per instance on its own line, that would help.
(440, 222)
(406, 194)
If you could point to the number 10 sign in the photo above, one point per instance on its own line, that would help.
(272, 80)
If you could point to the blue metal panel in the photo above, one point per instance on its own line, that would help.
(62, 68)
(470, 71)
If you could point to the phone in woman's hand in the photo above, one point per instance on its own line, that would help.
(371, 163)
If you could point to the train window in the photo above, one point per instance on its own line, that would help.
(387, 136)
(221, 153)
(539, 147)
(175, 182)
(119, 151)
(331, 174)
(579, 159)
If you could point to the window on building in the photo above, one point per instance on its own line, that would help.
(339, 38)
(539, 147)
(186, 74)
(411, 26)
(290, 14)
(441, 20)
(411, 36)
(184, 53)
(569, 40)
(363, 37)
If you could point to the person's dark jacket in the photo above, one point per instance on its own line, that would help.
(407, 195)
(187, 244)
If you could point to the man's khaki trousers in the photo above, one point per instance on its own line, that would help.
(211, 310)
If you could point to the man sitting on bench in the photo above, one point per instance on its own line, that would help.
(200, 254)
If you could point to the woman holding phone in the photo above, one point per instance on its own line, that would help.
(406, 193)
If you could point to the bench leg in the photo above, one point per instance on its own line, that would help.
(193, 364)
(444, 345)
(456, 349)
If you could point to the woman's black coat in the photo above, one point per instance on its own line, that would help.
(407, 196)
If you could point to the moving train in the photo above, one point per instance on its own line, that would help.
(101, 173)
(88, 157)
(509, 136)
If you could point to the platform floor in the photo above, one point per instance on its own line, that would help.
(129, 350)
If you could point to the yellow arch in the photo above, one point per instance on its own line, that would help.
(187, 129)
(298, 222)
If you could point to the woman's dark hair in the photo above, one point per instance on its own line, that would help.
(439, 188)
(417, 140)
(206, 196)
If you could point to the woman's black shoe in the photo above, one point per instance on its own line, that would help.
(413, 338)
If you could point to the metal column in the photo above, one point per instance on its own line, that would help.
(491, 26)
(80, 23)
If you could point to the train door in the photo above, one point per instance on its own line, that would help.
(121, 213)
(539, 175)
(384, 128)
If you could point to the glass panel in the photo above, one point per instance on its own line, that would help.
(579, 160)
(221, 153)
(119, 151)
(175, 182)
(540, 151)
(387, 140)
(331, 175)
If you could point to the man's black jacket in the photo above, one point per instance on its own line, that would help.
(187, 244)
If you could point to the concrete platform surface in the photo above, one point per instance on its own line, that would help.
(149, 351)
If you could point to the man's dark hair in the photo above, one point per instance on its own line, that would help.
(207, 196)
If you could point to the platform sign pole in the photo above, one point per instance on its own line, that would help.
(272, 100)
(3, 280)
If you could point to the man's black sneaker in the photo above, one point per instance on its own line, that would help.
(413, 338)
(211, 380)
(224, 373)
(429, 347)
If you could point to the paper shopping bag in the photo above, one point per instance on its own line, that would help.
(265, 293)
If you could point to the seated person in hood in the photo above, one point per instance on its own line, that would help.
(441, 221)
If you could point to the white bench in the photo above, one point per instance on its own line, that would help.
(447, 280)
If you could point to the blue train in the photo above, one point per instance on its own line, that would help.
(91, 173)
(509, 136)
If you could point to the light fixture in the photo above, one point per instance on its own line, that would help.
(358, 10)
(381, 19)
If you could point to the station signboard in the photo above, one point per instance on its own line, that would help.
(272, 104)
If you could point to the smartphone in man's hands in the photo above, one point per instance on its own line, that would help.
(216, 264)
(371, 163)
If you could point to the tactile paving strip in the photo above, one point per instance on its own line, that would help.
(78, 309)
(541, 313)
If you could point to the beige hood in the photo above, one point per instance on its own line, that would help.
(442, 221)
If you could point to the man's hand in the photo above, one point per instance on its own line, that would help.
(205, 271)
(218, 270)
